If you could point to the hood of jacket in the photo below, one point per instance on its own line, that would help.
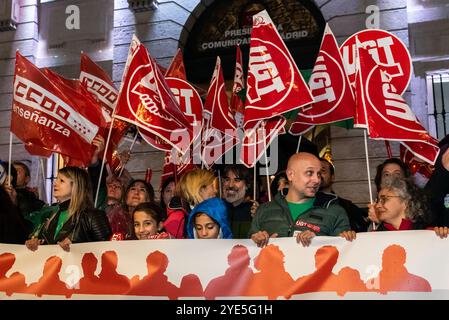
(216, 209)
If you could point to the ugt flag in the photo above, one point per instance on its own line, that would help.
(237, 104)
(220, 133)
(330, 87)
(274, 84)
(387, 114)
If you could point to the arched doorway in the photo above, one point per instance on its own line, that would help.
(222, 25)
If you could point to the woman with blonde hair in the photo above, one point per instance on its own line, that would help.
(194, 187)
(73, 219)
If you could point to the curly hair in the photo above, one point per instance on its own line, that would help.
(417, 210)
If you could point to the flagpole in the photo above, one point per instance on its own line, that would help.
(255, 166)
(104, 160)
(9, 158)
(130, 148)
(255, 181)
(41, 162)
(299, 143)
(203, 142)
(266, 162)
(219, 182)
(387, 145)
(368, 172)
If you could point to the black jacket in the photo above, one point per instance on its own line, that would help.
(356, 215)
(89, 226)
(436, 190)
(240, 219)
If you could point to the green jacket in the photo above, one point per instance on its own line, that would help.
(325, 218)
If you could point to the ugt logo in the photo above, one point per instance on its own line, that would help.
(264, 77)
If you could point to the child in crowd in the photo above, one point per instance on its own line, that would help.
(147, 222)
(209, 220)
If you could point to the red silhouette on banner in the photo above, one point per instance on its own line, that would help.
(394, 275)
(50, 283)
(323, 279)
(236, 278)
(272, 280)
(155, 283)
(111, 282)
(14, 283)
(89, 283)
(350, 280)
(190, 286)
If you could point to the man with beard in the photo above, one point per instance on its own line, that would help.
(303, 212)
(236, 185)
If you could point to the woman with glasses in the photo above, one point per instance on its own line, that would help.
(389, 169)
(400, 205)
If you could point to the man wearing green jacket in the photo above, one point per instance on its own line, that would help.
(303, 212)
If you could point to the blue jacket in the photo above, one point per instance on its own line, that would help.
(215, 208)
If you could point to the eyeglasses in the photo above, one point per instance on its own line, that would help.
(383, 199)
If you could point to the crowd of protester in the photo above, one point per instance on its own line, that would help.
(304, 205)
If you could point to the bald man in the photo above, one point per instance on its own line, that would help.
(303, 212)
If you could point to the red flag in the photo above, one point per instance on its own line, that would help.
(177, 68)
(183, 166)
(100, 85)
(237, 105)
(38, 151)
(146, 100)
(51, 115)
(415, 165)
(387, 114)
(191, 106)
(360, 117)
(217, 101)
(220, 135)
(254, 144)
(274, 84)
(330, 87)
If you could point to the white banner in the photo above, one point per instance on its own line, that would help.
(378, 265)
